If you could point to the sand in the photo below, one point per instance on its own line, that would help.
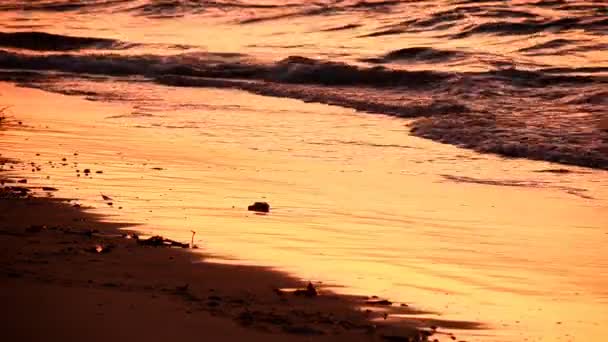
(66, 275)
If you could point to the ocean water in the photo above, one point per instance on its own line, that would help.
(518, 78)
(334, 111)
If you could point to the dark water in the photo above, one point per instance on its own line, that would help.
(517, 78)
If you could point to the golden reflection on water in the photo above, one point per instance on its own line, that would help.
(308, 36)
(356, 202)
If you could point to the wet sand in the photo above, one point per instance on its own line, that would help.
(445, 230)
(67, 275)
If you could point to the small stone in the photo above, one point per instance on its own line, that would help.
(261, 207)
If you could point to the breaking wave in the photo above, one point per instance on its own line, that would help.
(42, 41)
(519, 79)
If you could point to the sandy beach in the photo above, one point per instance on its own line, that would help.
(329, 170)
(69, 276)
(437, 243)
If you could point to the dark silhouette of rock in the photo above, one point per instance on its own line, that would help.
(379, 302)
(159, 241)
(261, 207)
(310, 291)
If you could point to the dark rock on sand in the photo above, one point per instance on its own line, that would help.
(310, 291)
(261, 207)
(379, 302)
(159, 241)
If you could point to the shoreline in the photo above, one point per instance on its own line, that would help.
(389, 245)
(65, 258)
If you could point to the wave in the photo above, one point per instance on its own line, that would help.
(511, 112)
(58, 5)
(42, 41)
(300, 70)
(534, 26)
(294, 69)
(550, 45)
(290, 70)
(598, 97)
(341, 27)
(305, 70)
(413, 54)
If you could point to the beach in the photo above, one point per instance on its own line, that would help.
(228, 236)
(423, 167)
(69, 276)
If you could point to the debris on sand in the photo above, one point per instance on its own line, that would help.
(14, 192)
(100, 249)
(48, 188)
(310, 291)
(159, 241)
(192, 245)
(129, 236)
(22, 181)
(379, 302)
(261, 207)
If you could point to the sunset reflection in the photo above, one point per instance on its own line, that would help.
(441, 166)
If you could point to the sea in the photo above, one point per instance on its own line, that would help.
(447, 154)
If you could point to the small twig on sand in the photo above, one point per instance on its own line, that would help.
(192, 239)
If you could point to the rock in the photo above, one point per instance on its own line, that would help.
(159, 241)
(261, 207)
(379, 302)
(310, 291)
